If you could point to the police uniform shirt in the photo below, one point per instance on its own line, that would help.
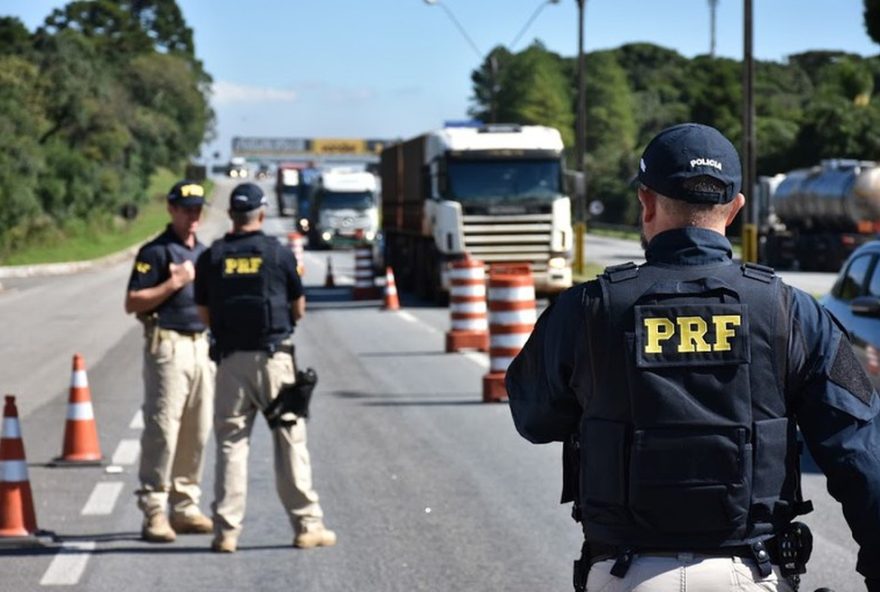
(833, 401)
(178, 312)
(286, 267)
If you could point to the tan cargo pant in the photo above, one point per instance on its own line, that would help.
(688, 572)
(178, 406)
(246, 383)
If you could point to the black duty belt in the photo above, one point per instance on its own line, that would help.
(602, 552)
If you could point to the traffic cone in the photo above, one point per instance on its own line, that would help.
(328, 281)
(392, 302)
(80, 432)
(17, 517)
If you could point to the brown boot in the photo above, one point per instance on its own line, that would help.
(191, 524)
(224, 543)
(157, 530)
(314, 535)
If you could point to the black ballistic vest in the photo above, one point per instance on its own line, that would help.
(248, 304)
(686, 443)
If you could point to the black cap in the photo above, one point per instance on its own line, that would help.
(246, 197)
(686, 151)
(186, 194)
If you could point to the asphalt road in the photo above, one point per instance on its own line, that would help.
(428, 487)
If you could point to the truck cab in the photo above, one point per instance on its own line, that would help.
(343, 208)
(491, 192)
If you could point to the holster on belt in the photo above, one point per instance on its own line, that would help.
(151, 331)
(292, 401)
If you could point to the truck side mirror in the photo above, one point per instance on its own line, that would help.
(866, 306)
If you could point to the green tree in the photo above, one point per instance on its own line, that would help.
(487, 85)
(534, 90)
(872, 19)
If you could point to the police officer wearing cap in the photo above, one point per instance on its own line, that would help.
(178, 374)
(678, 386)
(249, 292)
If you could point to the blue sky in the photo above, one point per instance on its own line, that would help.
(396, 68)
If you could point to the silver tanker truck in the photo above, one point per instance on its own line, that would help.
(812, 219)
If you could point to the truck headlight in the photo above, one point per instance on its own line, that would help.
(556, 263)
(327, 236)
(369, 235)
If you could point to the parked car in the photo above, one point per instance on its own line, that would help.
(855, 301)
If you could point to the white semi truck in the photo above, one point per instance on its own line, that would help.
(493, 192)
(343, 208)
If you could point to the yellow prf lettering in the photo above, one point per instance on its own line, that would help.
(243, 265)
(723, 330)
(692, 331)
(659, 329)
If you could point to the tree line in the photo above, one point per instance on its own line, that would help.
(93, 102)
(815, 105)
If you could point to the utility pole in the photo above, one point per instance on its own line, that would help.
(713, 10)
(750, 228)
(580, 198)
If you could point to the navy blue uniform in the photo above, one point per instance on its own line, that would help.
(178, 312)
(554, 379)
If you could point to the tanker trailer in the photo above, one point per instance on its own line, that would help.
(818, 216)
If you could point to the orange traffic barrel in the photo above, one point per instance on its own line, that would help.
(469, 325)
(512, 316)
(296, 242)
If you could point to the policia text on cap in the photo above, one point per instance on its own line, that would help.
(678, 387)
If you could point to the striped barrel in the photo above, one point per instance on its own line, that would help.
(364, 280)
(512, 316)
(469, 327)
(295, 241)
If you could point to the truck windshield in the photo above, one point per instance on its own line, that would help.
(509, 181)
(343, 200)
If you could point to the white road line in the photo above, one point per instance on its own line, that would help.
(137, 422)
(103, 498)
(412, 319)
(127, 452)
(69, 564)
(478, 358)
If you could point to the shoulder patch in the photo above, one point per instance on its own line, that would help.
(142, 266)
(848, 373)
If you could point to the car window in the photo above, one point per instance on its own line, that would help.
(874, 284)
(853, 280)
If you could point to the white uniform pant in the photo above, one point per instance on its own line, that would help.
(686, 572)
(246, 383)
(178, 405)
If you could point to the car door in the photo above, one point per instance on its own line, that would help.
(860, 277)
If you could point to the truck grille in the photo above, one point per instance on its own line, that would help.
(507, 239)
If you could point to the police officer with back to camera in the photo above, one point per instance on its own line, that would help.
(677, 387)
(249, 292)
(178, 374)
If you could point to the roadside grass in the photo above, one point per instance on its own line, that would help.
(84, 241)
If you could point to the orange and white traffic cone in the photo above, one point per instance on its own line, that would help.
(328, 280)
(80, 432)
(392, 302)
(17, 517)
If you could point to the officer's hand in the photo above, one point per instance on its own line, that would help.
(181, 274)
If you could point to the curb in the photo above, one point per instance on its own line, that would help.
(48, 269)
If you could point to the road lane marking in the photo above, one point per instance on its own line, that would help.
(477, 358)
(127, 452)
(412, 319)
(103, 498)
(69, 564)
(137, 422)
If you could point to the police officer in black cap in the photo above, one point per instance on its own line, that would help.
(249, 293)
(178, 375)
(677, 387)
